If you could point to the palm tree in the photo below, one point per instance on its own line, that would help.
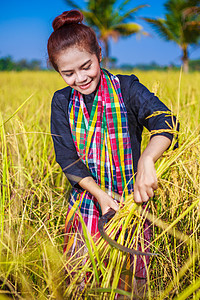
(109, 20)
(181, 25)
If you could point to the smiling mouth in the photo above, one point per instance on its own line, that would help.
(85, 86)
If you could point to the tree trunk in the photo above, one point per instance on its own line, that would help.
(106, 58)
(185, 59)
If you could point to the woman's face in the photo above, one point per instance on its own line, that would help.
(79, 69)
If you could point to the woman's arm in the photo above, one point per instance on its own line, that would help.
(104, 200)
(146, 179)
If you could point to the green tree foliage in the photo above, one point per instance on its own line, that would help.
(194, 65)
(110, 19)
(8, 64)
(181, 25)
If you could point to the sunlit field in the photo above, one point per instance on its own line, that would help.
(34, 196)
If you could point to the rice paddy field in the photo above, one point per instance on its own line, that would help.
(34, 198)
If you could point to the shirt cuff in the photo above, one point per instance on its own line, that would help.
(75, 174)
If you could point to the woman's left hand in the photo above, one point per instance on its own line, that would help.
(146, 180)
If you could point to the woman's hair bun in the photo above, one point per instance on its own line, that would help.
(67, 17)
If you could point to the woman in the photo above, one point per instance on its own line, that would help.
(96, 124)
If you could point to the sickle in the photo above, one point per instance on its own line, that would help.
(102, 221)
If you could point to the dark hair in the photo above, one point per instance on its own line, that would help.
(69, 31)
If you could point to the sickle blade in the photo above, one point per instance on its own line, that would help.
(102, 221)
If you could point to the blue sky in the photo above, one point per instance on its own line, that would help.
(26, 25)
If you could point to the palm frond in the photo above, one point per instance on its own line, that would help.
(128, 28)
(161, 29)
(92, 20)
(192, 32)
(129, 14)
(123, 4)
(107, 33)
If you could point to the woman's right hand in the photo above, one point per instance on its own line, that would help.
(106, 202)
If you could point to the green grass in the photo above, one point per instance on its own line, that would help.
(34, 193)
